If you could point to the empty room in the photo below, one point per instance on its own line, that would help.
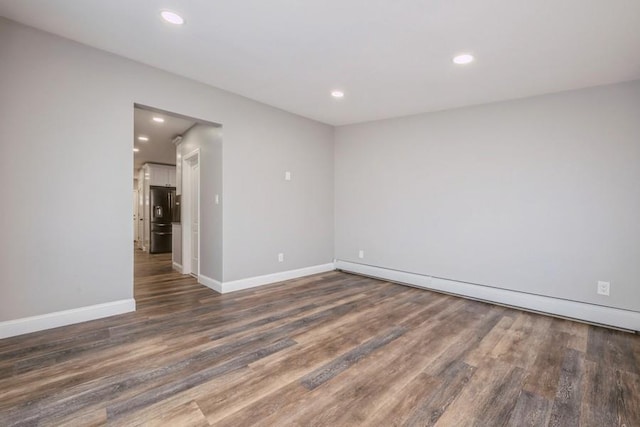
(344, 213)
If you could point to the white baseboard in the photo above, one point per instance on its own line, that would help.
(252, 282)
(210, 283)
(56, 319)
(176, 266)
(592, 313)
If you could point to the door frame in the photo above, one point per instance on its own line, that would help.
(136, 226)
(187, 162)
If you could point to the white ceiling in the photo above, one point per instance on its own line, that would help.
(391, 58)
(159, 148)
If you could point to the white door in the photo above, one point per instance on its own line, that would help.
(191, 213)
(195, 217)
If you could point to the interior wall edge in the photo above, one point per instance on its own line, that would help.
(210, 283)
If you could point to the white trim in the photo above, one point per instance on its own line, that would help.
(253, 282)
(609, 316)
(210, 283)
(176, 266)
(56, 319)
(193, 157)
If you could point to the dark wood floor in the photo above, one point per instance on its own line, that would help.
(328, 350)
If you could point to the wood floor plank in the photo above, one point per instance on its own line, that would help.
(327, 372)
(398, 408)
(484, 319)
(212, 388)
(488, 399)
(428, 410)
(527, 331)
(167, 390)
(331, 349)
(567, 403)
(545, 370)
(613, 348)
(480, 353)
(186, 415)
(531, 410)
(610, 397)
(578, 333)
(83, 418)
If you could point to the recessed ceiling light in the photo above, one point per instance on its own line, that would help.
(337, 94)
(462, 59)
(135, 150)
(158, 119)
(172, 17)
(143, 138)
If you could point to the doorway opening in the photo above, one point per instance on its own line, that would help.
(177, 169)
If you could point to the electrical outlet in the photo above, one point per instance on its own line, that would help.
(361, 254)
(287, 176)
(604, 288)
(280, 257)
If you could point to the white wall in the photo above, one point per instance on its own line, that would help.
(540, 195)
(266, 210)
(67, 112)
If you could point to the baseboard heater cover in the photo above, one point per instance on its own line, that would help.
(591, 313)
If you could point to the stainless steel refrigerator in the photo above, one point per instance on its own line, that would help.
(162, 202)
